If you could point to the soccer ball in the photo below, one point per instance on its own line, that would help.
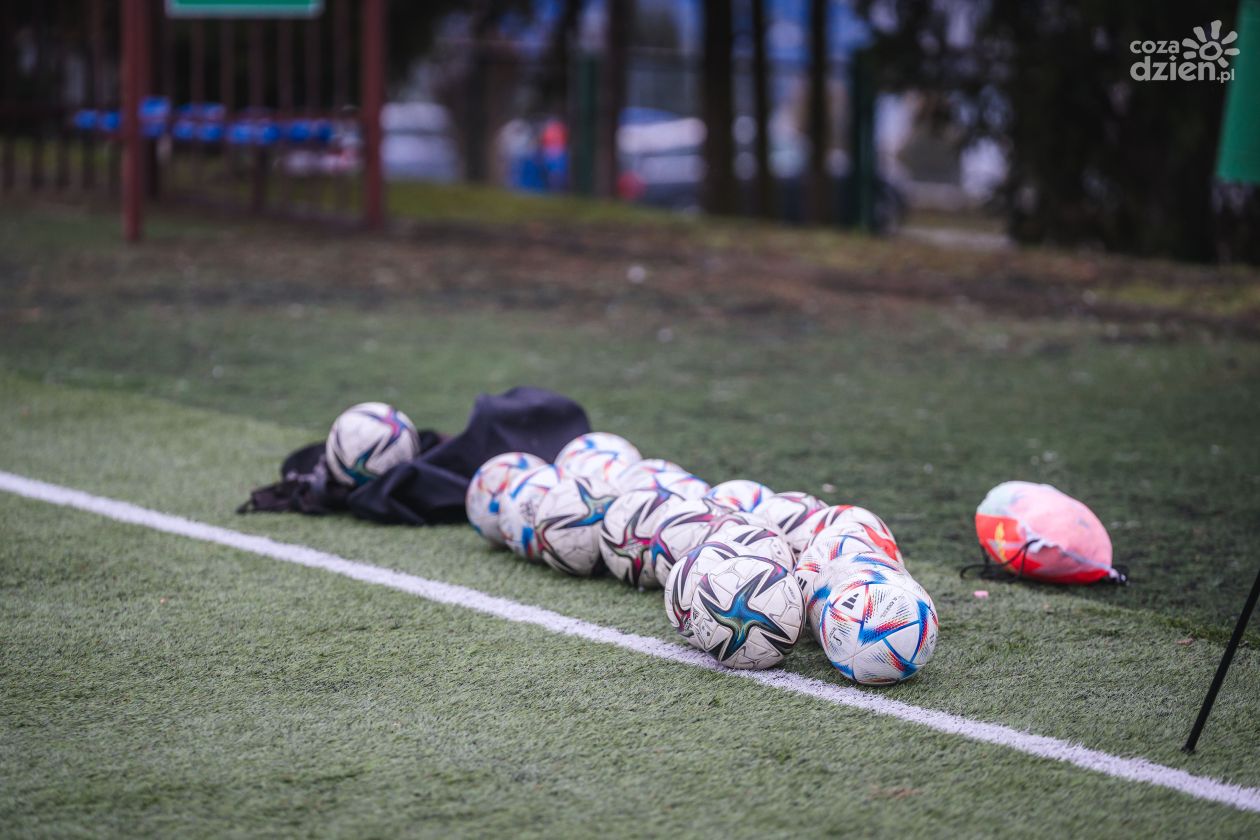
(878, 632)
(683, 484)
(567, 522)
(684, 525)
(738, 517)
(789, 511)
(597, 442)
(758, 541)
(871, 565)
(625, 538)
(368, 439)
(517, 506)
(596, 464)
(638, 475)
(680, 584)
(848, 519)
(481, 502)
(820, 553)
(741, 494)
(747, 612)
(676, 481)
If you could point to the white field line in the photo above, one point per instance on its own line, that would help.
(1131, 769)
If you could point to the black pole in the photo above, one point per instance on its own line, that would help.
(1223, 668)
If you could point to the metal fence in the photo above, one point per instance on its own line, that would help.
(257, 114)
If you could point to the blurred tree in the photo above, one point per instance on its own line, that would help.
(761, 111)
(412, 25)
(656, 27)
(553, 81)
(817, 187)
(613, 93)
(720, 194)
(1095, 156)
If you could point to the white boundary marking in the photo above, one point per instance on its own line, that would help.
(1041, 746)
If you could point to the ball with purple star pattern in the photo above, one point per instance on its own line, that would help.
(738, 517)
(368, 439)
(758, 541)
(567, 523)
(788, 511)
(680, 584)
(747, 612)
(625, 539)
(684, 524)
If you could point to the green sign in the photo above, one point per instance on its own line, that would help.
(1238, 158)
(244, 8)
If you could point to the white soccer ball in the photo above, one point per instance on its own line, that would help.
(680, 584)
(872, 565)
(683, 484)
(517, 506)
(739, 517)
(596, 464)
(878, 632)
(747, 612)
(567, 523)
(638, 475)
(741, 494)
(675, 481)
(684, 525)
(481, 502)
(849, 519)
(597, 442)
(790, 510)
(625, 538)
(756, 540)
(366, 440)
(820, 553)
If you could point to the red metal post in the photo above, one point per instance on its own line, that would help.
(372, 94)
(133, 45)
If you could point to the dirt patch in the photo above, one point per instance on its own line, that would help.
(706, 271)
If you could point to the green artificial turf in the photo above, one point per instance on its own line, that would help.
(153, 685)
(274, 699)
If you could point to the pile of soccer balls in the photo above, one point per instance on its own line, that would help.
(745, 570)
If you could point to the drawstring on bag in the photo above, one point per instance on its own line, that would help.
(989, 570)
